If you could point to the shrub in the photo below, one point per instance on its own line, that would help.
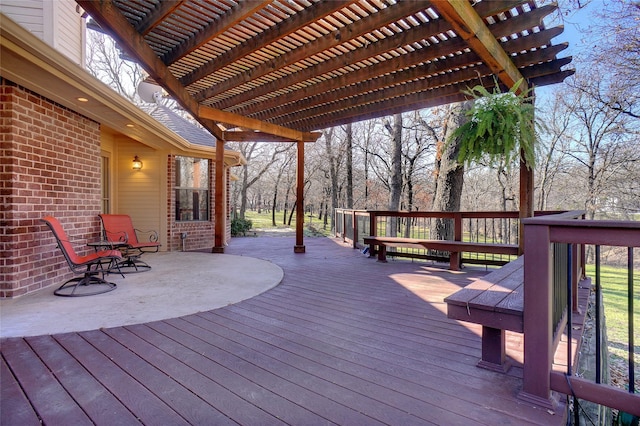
(240, 226)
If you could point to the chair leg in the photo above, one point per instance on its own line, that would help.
(87, 285)
(132, 264)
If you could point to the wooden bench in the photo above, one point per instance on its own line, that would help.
(455, 248)
(496, 301)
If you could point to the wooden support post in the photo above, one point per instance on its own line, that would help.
(220, 214)
(538, 347)
(526, 199)
(299, 247)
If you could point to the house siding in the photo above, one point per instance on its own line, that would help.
(50, 165)
(139, 192)
(28, 13)
(57, 22)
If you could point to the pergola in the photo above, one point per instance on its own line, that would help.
(278, 70)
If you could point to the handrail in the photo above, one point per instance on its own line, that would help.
(487, 227)
(539, 379)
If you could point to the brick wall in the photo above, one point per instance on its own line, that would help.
(49, 165)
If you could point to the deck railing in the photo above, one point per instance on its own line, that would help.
(548, 313)
(489, 227)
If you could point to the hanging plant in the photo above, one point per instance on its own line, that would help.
(499, 126)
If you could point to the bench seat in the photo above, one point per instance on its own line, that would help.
(496, 301)
(453, 247)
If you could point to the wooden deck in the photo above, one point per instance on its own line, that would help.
(343, 340)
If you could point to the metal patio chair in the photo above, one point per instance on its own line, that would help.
(90, 265)
(118, 229)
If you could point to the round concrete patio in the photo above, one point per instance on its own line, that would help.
(178, 284)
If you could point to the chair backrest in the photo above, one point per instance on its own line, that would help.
(118, 228)
(63, 241)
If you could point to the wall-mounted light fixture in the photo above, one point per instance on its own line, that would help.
(137, 164)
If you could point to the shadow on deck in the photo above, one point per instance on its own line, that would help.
(343, 339)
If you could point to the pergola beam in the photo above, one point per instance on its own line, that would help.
(470, 26)
(247, 136)
(163, 9)
(250, 123)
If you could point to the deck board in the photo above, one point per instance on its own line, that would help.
(15, 408)
(99, 404)
(342, 340)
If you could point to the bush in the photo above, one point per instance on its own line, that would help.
(240, 226)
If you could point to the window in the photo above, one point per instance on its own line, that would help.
(105, 185)
(192, 188)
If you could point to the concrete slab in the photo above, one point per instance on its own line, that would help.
(178, 284)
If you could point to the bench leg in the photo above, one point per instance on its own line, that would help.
(454, 260)
(382, 253)
(493, 350)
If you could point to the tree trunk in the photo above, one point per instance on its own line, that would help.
(396, 173)
(293, 210)
(396, 164)
(449, 174)
(243, 191)
(349, 159)
(333, 173)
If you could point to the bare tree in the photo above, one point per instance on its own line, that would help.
(615, 34)
(334, 157)
(550, 159)
(283, 167)
(597, 139)
(349, 164)
(260, 158)
(104, 61)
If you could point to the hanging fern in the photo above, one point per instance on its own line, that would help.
(499, 126)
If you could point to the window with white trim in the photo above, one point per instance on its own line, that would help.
(192, 189)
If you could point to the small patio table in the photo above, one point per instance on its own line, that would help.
(108, 245)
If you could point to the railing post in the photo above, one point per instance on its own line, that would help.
(354, 223)
(373, 226)
(457, 226)
(344, 227)
(538, 350)
(575, 266)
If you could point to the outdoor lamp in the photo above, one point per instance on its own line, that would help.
(137, 164)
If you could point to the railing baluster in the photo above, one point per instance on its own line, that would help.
(598, 321)
(569, 311)
(630, 321)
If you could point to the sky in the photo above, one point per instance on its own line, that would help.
(575, 24)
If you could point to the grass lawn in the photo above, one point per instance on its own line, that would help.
(263, 220)
(614, 282)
